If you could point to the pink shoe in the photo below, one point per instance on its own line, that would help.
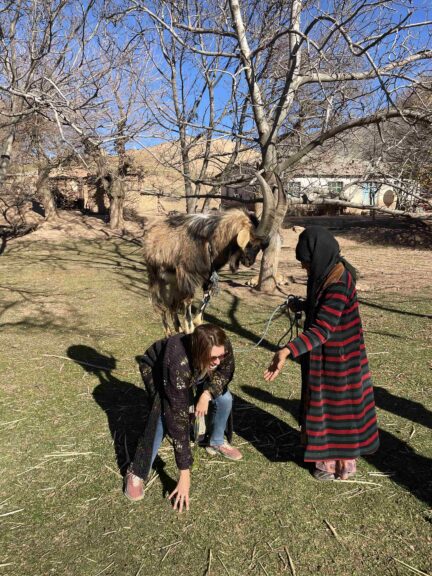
(133, 487)
(226, 450)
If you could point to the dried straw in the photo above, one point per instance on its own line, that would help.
(415, 570)
(209, 563)
(291, 563)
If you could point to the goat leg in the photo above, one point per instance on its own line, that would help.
(167, 328)
(188, 323)
(198, 320)
(176, 322)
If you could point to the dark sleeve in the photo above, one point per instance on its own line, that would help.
(149, 366)
(176, 381)
(325, 323)
(151, 355)
(222, 376)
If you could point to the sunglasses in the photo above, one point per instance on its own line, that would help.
(220, 357)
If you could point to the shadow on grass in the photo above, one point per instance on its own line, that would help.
(364, 302)
(125, 405)
(410, 470)
(273, 438)
(389, 334)
(291, 406)
(404, 407)
(115, 254)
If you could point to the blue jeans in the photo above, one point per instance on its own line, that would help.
(219, 414)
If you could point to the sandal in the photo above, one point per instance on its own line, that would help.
(322, 475)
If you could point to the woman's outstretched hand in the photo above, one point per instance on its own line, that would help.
(276, 364)
(181, 492)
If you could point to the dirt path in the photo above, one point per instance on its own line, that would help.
(382, 269)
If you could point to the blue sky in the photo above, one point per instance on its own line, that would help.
(419, 36)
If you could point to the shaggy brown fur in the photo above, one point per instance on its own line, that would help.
(177, 253)
(182, 252)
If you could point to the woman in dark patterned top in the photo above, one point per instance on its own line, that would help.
(338, 408)
(178, 371)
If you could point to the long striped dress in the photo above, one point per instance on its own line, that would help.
(340, 420)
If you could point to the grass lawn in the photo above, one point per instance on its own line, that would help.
(74, 316)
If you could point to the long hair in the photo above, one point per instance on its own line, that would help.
(204, 338)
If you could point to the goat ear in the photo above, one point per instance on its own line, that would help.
(243, 238)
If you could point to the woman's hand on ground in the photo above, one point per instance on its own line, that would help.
(276, 364)
(181, 492)
(201, 408)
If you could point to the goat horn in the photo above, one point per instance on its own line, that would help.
(269, 210)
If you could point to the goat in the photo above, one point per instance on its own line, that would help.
(182, 251)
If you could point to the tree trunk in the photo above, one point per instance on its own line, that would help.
(270, 258)
(191, 203)
(269, 265)
(99, 198)
(206, 205)
(6, 151)
(116, 214)
(48, 202)
(43, 192)
(117, 197)
(5, 158)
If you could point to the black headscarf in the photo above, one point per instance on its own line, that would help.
(319, 248)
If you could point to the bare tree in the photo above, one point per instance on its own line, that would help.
(339, 62)
(49, 155)
(43, 48)
(193, 96)
(310, 71)
(40, 48)
(121, 117)
(38, 150)
(68, 68)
